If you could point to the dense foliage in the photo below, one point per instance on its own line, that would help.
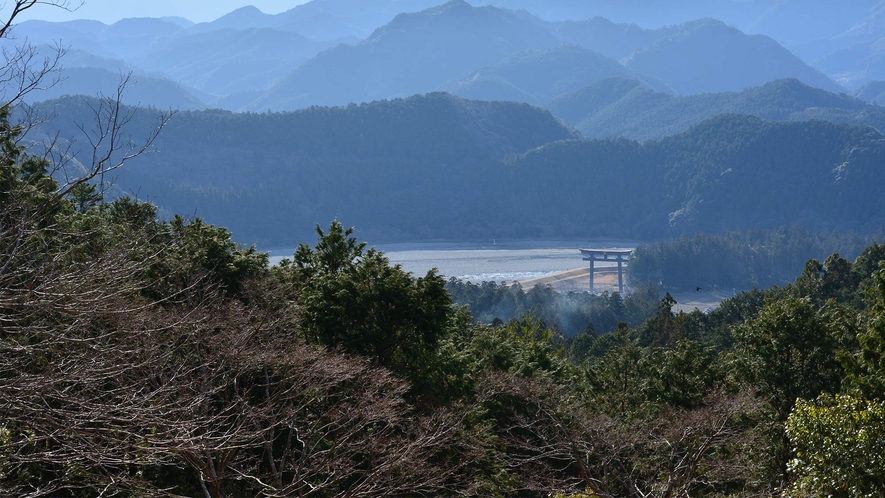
(737, 260)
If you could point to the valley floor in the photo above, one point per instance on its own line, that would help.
(606, 280)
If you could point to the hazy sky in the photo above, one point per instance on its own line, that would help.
(110, 11)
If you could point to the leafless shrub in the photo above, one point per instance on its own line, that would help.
(557, 444)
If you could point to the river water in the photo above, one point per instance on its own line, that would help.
(497, 261)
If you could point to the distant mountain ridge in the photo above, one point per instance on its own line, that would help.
(326, 19)
(708, 56)
(536, 77)
(414, 53)
(227, 61)
(88, 74)
(249, 60)
(874, 91)
(140, 90)
(789, 21)
(620, 107)
(472, 51)
(607, 37)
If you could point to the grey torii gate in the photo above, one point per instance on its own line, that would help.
(620, 255)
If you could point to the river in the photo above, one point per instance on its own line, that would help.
(497, 261)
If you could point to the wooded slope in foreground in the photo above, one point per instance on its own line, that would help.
(142, 357)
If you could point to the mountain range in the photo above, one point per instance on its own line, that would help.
(414, 53)
(334, 52)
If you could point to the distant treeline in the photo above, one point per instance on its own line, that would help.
(741, 260)
(570, 314)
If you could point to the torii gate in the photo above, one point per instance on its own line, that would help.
(620, 255)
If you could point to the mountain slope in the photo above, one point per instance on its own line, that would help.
(788, 21)
(226, 61)
(248, 17)
(140, 91)
(440, 167)
(693, 57)
(857, 63)
(83, 73)
(537, 77)
(455, 46)
(874, 91)
(412, 54)
(393, 167)
(728, 173)
(626, 108)
(586, 102)
(615, 40)
(708, 56)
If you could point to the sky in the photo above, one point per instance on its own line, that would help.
(110, 11)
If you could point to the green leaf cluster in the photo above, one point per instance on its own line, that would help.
(840, 447)
(355, 300)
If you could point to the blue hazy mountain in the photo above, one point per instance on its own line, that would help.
(788, 21)
(250, 60)
(420, 151)
(141, 90)
(128, 38)
(248, 17)
(625, 108)
(319, 25)
(226, 61)
(83, 73)
(322, 19)
(708, 56)
(823, 33)
(414, 53)
(462, 48)
(856, 63)
(211, 64)
(332, 19)
(874, 91)
(855, 55)
(538, 76)
(615, 40)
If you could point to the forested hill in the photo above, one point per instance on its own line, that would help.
(729, 172)
(440, 167)
(396, 166)
(624, 107)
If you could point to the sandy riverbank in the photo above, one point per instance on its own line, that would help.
(606, 279)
